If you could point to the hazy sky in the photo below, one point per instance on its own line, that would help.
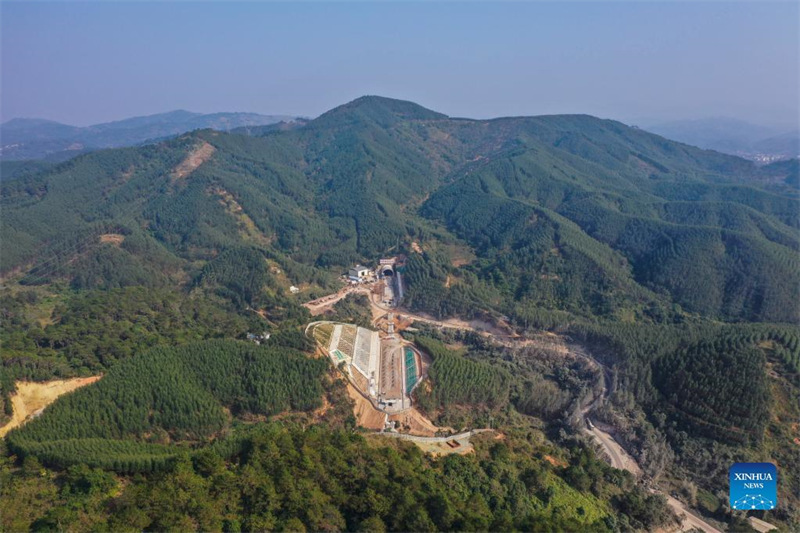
(84, 63)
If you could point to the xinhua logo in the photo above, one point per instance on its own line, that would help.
(753, 486)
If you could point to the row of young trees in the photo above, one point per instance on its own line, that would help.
(457, 380)
(717, 390)
(171, 394)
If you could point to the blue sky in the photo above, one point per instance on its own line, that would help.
(83, 63)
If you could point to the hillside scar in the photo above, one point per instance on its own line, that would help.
(196, 157)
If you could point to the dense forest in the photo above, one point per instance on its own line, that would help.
(456, 380)
(711, 394)
(168, 394)
(688, 377)
(565, 213)
(676, 269)
(325, 479)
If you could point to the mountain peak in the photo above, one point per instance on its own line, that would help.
(385, 111)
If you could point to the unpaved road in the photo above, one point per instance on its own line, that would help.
(417, 438)
(760, 525)
(617, 455)
(321, 304)
(622, 460)
(439, 445)
(689, 520)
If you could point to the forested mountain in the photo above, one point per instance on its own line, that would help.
(678, 268)
(595, 215)
(38, 139)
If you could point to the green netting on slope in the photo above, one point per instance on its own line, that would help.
(411, 369)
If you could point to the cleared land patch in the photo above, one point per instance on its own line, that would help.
(247, 227)
(196, 157)
(367, 416)
(112, 238)
(31, 398)
(416, 423)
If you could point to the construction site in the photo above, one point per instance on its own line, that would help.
(384, 368)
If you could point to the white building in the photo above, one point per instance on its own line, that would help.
(358, 273)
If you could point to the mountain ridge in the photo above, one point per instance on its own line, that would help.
(24, 138)
(675, 268)
(733, 136)
(354, 182)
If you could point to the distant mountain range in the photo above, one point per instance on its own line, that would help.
(23, 138)
(731, 136)
(39, 139)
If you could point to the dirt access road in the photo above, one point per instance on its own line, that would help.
(320, 305)
(439, 445)
(616, 454)
(689, 520)
(621, 459)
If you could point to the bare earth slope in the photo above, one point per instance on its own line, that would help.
(31, 398)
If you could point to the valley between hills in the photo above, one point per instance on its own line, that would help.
(588, 292)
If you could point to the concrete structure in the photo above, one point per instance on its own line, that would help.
(258, 339)
(381, 367)
(358, 273)
(386, 267)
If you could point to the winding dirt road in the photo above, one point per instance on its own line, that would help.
(689, 520)
(616, 454)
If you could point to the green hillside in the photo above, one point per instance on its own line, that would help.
(676, 268)
(169, 394)
(600, 217)
(283, 477)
